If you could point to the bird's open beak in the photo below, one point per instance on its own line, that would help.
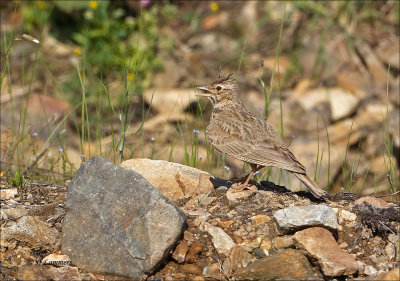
(204, 94)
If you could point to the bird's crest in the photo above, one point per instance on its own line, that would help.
(223, 77)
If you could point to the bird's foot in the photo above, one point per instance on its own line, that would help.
(237, 187)
(242, 180)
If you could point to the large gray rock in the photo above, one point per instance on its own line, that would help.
(116, 222)
(294, 218)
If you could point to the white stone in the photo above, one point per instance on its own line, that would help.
(346, 216)
(7, 194)
(309, 215)
(342, 103)
(390, 251)
(222, 242)
(370, 270)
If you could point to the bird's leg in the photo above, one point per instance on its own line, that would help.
(241, 187)
(254, 168)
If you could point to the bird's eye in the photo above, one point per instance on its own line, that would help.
(219, 88)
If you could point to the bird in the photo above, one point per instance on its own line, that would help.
(235, 131)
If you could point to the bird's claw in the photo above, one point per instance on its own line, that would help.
(240, 187)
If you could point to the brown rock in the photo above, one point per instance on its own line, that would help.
(394, 122)
(270, 64)
(389, 276)
(16, 256)
(266, 245)
(205, 185)
(260, 219)
(207, 201)
(191, 268)
(213, 271)
(172, 179)
(180, 252)
(378, 165)
(13, 213)
(34, 272)
(377, 202)
(234, 195)
(286, 264)
(352, 81)
(388, 51)
(194, 250)
(225, 224)
(65, 273)
(32, 232)
(339, 133)
(283, 241)
(42, 272)
(375, 66)
(237, 258)
(180, 275)
(319, 244)
(214, 20)
(188, 236)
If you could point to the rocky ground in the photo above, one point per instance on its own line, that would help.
(209, 233)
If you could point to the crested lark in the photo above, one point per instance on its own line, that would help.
(237, 132)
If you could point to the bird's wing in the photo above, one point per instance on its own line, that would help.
(255, 143)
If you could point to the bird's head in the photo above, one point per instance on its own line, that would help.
(224, 89)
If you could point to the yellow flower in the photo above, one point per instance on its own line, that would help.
(214, 6)
(77, 51)
(41, 4)
(93, 4)
(3, 173)
(131, 75)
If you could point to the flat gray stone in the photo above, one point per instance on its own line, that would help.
(117, 222)
(294, 218)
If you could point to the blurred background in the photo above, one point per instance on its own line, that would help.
(116, 78)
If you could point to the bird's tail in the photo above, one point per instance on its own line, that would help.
(311, 185)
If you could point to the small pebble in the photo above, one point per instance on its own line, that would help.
(191, 268)
(222, 188)
(180, 252)
(259, 253)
